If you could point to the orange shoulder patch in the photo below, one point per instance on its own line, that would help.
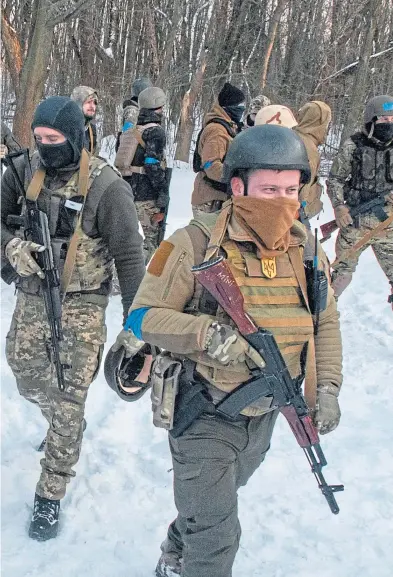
(160, 258)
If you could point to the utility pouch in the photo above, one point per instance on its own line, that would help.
(165, 387)
(317, 288)
(192, 401)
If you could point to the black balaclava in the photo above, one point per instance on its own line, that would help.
(62, 114)
(383, 131)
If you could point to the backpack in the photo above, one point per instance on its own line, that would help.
(197, 160)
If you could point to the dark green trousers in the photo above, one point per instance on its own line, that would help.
(211, 460)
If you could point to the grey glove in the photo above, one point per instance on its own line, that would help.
(327, 414)
(19, 253)
(128, 340)
(225, 345)
(343, 216)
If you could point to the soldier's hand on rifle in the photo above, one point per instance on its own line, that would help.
(327, 414)
(3, 150)
(158, 217)
(225, 345)
(19, 253)
(128, 340)
(162, 200)
(343, 216)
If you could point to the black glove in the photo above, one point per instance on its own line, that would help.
(162, 200)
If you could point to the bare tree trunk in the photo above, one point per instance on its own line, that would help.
(170, 43)
(151, 35)
(273, 25)
(13, 52)
(360, 83)
(187, 122)
(33, 76)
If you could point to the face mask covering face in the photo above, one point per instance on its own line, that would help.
(56, 155)
(268, 220)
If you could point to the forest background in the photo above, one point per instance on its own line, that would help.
(338, 51)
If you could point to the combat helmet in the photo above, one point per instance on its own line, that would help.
(152, 98)
(269, 146)
(378, 106)
(139, 85)
(121, 372)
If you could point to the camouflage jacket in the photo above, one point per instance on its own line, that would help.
(362, 170)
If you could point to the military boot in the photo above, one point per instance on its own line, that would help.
(41, 448)
(45, 521)
(169, 565)
(390, 297)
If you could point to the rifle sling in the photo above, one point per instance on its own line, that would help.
(32, 194)
(83, 186)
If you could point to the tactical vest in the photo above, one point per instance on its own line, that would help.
(129, 141)
(372, 172)
(274, 299)
(93, 268)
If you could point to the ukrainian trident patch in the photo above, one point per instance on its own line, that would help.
(269, 268)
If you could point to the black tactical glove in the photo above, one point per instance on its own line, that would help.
(162, 200)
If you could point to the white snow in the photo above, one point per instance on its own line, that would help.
(117, 508)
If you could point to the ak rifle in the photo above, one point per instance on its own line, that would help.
(36, 229)
(273, 380)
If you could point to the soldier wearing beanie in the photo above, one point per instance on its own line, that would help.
(220, 127)
(107, 236)
(87, 99)
(256, 105)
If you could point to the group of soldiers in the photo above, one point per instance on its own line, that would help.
(255, 189)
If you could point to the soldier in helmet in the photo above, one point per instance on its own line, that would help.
(141, 161)
(256, 105)
(362, 174)
(87, 99)
(258, 234)
(88, 239)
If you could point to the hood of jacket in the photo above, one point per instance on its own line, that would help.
(314, 118)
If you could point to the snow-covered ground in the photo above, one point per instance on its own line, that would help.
(117, 508)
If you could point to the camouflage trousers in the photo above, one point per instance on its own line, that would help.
(145, 209)
(211, 460)
(201, 209)
(346, 262)
(28, 355)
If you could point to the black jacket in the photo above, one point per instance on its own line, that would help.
(148, 186)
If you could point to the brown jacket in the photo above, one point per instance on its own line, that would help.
(213, 146)
(174, 323)
(314, 118)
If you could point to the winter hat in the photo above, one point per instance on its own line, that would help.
(64, 115)
(230, 95)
